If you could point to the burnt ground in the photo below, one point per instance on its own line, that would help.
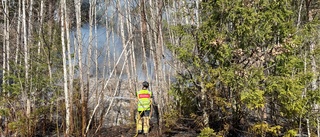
(181, 129)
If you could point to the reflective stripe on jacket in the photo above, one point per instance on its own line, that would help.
(144, 100)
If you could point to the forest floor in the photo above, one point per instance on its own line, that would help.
(181, 129)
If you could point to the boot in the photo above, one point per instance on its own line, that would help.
(139, 125)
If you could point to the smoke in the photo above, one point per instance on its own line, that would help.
(101, 44)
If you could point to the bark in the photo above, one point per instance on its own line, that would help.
(40, 28)
(48, 57)
(159, 64)
(89, 57)
(18, 33)
(30, 21)
(197, 13)
(70, 66)
(5, 33)
(7, 17)
(26, 60)
(107, 45)
(113, 40)
(77, 4)
(143, 27)
(96, 48)
(314, 86)
(123, 39)
(65, 75)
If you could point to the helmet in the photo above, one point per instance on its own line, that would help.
(145, 84)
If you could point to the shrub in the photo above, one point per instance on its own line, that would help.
(207, 132)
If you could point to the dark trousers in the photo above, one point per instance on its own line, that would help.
(145, 113)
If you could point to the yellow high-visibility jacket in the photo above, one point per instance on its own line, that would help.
(144, 100)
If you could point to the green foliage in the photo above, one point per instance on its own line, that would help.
(243, 58)
(207, 132)
(21, 125)
(170, 118)
(291, 133)
(263, 128)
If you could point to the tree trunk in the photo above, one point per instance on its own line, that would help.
(123, 39)
(4, 47)
(18, 33)
(89, 57)
(143, 32)
(159, 55)
(48, 55)
(131, 48)
(70, 67)
(65, 75)
(77, 4)
(314, 86)
(107, 45)
(26, 60)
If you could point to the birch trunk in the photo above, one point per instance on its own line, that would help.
(48, 57)
(51, 13)
(26, 60)
(159, 54)
(91, 18)
(7, 17)
(314, 86)
(82, 92)
(70, 66)
(65, 75)
(5, 33)
(123, 39)
(143, 27)
(113, 42)
(96, 49)
(107, 45)
(40, 28)
(18, 33)
(131, 49)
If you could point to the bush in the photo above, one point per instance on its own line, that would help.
(171, 118)
(207, 132)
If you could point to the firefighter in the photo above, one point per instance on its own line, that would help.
(144, 105)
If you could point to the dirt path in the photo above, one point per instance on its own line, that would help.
(181, 130)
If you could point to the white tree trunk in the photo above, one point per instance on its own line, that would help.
(96, 49)
(26, 59)
(5, 33)
(65, 75)
(143, 32)
(79, 42)
(18, 33)
(71, 64)
(89, 50)
(314, 85)
(107, 44)
(123, 39)
(7, 37)
(40, 28)
(159, 54)
(131, 48)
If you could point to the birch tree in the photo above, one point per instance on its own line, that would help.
(5, 47)
(26, 60)
(70, 66)
(158, 60)
(65, 75)
(18, 33)
(123, 39)
(143, 32)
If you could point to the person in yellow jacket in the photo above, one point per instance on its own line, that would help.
(144, 105)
